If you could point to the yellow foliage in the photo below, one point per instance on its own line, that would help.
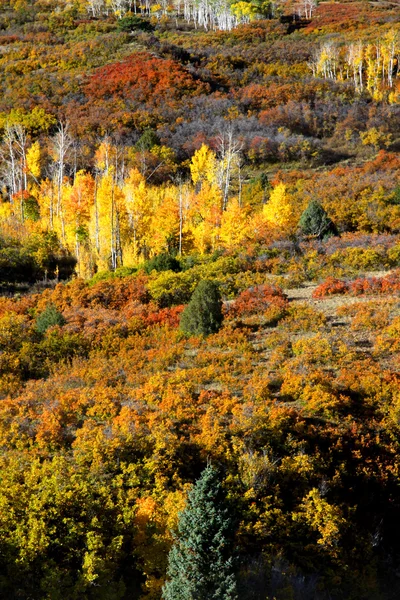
(204, 217)
(278, 212)
(376, 138)
(322, 517)
(203, 166)
(234, 225)
(33, 159)
(5, 211)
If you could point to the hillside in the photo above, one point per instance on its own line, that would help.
(146, 149)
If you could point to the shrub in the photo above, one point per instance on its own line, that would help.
(302, 317)
(330, 287)
(162, 262)
(133, 22)
(394, 197)
(257, 299)
(360, 258)
(203, 314)
(170, 288)
(373, 315)
(147, 140)
(17, 265)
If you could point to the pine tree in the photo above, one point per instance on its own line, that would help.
(315, 221)
(199, 563)
(203, 314)
(49, 318)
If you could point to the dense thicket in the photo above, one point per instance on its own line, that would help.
(149, 152)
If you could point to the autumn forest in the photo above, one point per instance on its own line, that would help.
(199, 300)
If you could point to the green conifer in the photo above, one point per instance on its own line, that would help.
(203, 314)
(48, 318)
(199, 563)
(315, 221)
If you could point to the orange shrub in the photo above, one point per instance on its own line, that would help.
(390, 284)
(367, 315)
(302, 317)
(257, 299)
(330, 287)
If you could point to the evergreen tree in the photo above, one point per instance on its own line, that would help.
(162, 262)
(203, 314)
(315, 221)
(199, 565)
(48, 318)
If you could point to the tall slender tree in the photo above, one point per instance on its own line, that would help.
(200, 565)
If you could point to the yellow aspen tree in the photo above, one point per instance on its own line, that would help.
(58, 217)
(278, 212)
(105, 155)
(205, 217)
(61, 146)
(203, 166)
(33, 155)
(47, 198)
(7, 218)
(391, 49)
(78, 203)
(107, 213)
(139, 211)
(164, 226)
(234, 225)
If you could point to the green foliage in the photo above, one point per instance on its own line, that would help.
(173, 288)
(315, 221)
(31, 209)
(200, 565)
(148, 140)
(203, 314)
(162, 262)
(133, 23)
(394, 198)
(17, 265)
(120, 272)
(49, 318)
(82, 234)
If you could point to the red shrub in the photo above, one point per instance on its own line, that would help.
(165, 316)
(257, 299)
(113, 294)
(390, 284)
(330, 287)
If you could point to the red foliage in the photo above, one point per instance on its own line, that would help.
(278, 94)
(143, 78)
(390, 284)
(20, 306)
(150, 314)
(347, 15)
(165, 316)
(257, 299)
(114, 294)
(376, 285)
(330, 287)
